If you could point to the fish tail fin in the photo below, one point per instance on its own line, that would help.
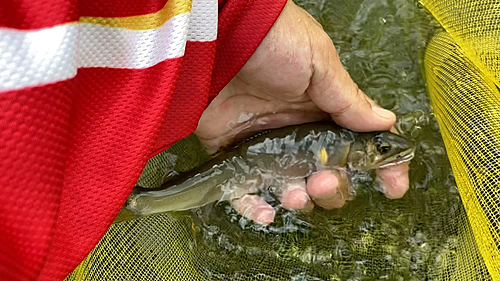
(125, 215)
(127, 212)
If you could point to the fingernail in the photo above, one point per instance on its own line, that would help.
(384, 113)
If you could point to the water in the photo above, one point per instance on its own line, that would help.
(380, 43)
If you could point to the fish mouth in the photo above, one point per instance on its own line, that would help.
(406, 157)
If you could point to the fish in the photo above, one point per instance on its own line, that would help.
(270, 157)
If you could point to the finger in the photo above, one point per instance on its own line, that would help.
(328, 189)
(333, 90)
(254, 208)
(394, 180)
(295, 196)
(232, 116)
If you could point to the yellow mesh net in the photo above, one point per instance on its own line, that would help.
(462, 68)
(462, 72)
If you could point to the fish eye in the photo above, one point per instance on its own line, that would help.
(383, 148)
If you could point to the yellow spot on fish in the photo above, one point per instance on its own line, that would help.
(323, 156)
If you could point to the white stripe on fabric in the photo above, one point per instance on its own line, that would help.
(37, 57)
(203, 25)
(104, 46)
(30, 58)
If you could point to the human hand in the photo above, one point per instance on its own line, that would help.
(295, 76)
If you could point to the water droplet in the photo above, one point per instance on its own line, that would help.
(245, 116)
(439, 150)
(406, 123)
(416, 132)
(423, 120)
(434, 125)
(425, 145)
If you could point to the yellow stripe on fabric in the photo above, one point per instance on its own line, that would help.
(144, 22)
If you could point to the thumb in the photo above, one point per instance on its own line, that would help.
(333, 91)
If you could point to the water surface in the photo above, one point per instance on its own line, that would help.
(381, 44)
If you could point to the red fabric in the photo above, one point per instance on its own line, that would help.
(116, 116)
(119, 8)
(72, 151)
(196, 68)
(35, 14)
(34, 124)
